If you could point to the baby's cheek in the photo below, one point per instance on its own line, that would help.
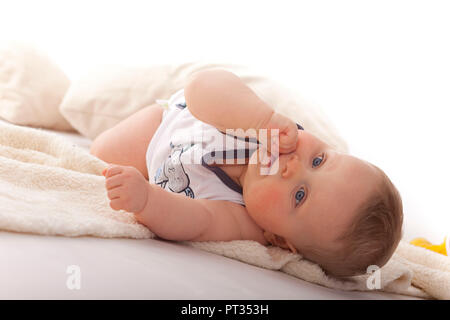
(268, 199)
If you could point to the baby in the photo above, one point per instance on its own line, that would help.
(334, 209)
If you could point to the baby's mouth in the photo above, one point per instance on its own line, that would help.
(273, 158)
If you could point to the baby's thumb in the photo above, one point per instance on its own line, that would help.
(104, 171)
(288, 141)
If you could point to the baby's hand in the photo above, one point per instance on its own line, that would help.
(127, 188)
(288, 132)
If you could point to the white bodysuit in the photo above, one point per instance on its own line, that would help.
(183, 150)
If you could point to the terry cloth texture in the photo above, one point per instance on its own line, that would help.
(49, 186)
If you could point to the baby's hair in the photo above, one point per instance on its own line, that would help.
(372, 237)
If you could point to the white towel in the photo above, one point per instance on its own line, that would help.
(49, 186)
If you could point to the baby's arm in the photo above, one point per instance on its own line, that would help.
(174, 216)
(222, 99)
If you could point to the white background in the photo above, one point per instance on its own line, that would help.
(379, 69)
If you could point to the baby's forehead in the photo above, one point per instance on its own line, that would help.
(359, 172)
(355, 162)
(348, 183)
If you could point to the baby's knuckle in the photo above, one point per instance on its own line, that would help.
(129, 169)
(124, 197)
(108, 183)
(126, 175)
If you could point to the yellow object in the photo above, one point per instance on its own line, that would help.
(442, 248)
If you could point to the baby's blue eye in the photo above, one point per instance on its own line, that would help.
(299, 195)
(317, 161)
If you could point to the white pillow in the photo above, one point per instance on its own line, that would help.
(31, 88)
(105, 96)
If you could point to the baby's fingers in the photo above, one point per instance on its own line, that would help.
(113, 182)
(288, 141)
(114, 193)
(116, 204)
(112, 170)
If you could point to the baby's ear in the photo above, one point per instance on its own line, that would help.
(278, 241)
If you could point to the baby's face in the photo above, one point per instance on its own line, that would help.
(313, 196)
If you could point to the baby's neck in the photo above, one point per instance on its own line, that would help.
(236, 172)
